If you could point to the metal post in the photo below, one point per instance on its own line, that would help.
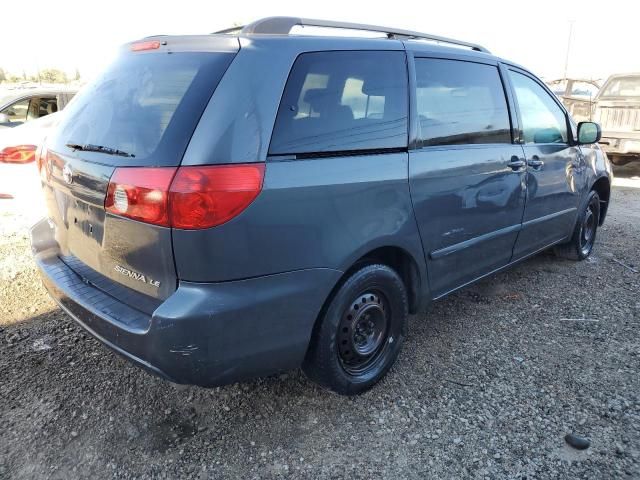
(566, 60)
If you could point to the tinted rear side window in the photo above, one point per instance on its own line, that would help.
(343, 101)
(460, 103)
(145, 104)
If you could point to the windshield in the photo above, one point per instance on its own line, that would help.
(144, 104)
(623, 87)
(4, 99)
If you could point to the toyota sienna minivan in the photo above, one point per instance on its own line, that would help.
(239, 204)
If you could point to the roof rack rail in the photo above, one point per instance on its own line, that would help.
(284, 25)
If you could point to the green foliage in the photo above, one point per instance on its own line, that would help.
(53, 75)
(11, 78)
(48, 75)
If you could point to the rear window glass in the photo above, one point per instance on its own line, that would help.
(583, 90)
(623, 87)
(460, 103)
(343, 101)
(558, 87)
(145, 104)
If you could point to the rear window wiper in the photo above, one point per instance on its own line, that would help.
(99, 148)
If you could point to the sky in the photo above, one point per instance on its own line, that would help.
(70, 34)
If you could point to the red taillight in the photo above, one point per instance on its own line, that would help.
(18, 154)
(141, 194)
(140, 46)
(198, 197)
(203, 197)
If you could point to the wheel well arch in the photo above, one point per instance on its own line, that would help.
(398, 259)
(602, 186)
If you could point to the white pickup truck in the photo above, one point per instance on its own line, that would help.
(617, 109)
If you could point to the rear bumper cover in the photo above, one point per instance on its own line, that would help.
(620, 144)
(204, 334)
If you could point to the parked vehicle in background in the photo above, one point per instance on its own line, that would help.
(238, 204)
(577, 95)
(617, 108)
(19, 177)
(18, 145)
(24, 105)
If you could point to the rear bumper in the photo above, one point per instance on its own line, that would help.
(623, 144)
(204, 334)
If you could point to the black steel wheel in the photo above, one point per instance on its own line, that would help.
(588, 229)
(584, 234)
(360, 332)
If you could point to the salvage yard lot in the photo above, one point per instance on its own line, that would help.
(488, 384)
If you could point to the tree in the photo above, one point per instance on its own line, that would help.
(53, 75)
(3, 76)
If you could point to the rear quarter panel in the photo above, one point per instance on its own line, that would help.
(316, 213)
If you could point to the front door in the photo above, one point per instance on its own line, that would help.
(554, 167)
(467, 178)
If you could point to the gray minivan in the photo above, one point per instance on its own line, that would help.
(243, 203)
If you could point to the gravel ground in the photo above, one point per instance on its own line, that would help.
(489, 383)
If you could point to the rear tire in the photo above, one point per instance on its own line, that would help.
(360, 332)
(584, 233)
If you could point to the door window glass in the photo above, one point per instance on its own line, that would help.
(17, 112)
(343, 101)
(41, 107)
(543, 121)
(460, 103)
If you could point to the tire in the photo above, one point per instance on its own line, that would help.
(360, 332)
(584, 233)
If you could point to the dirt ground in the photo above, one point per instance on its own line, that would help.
(489, 383)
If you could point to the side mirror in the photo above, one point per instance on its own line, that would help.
(588, 133)
(4, 118)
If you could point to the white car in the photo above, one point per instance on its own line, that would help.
(24, 105)
(20, 191)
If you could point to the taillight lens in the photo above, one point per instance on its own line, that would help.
(141, 194)
(18, 154)
(203, 197)
(185, 197)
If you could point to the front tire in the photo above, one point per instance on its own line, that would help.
(360, 332)
(584, 233)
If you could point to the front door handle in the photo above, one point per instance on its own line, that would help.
(535, 163)
(516, 163)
